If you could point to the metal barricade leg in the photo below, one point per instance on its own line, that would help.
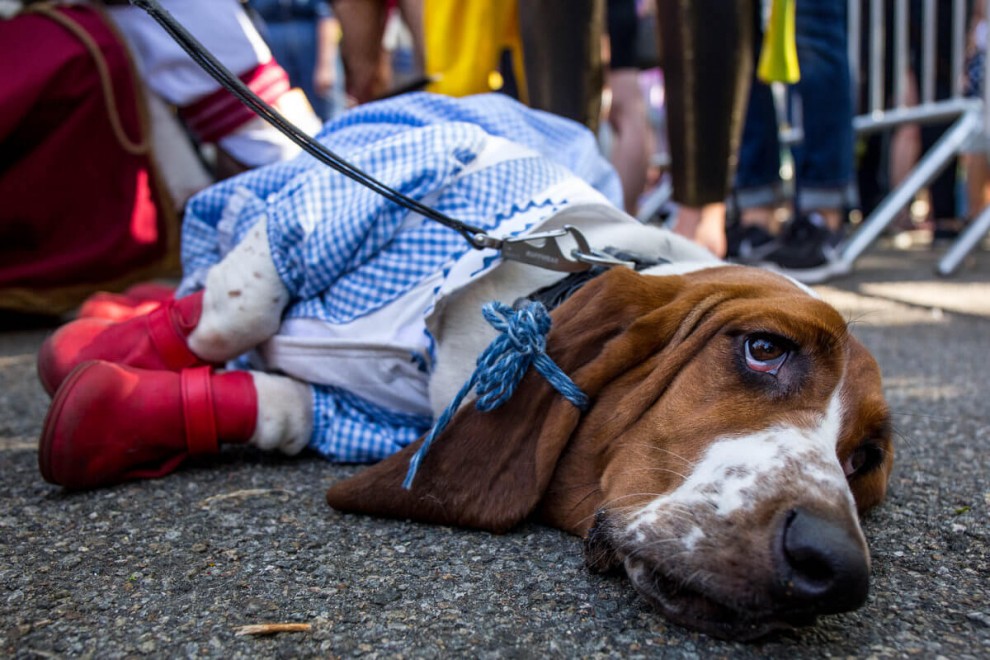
(968, 239)
(923, 173)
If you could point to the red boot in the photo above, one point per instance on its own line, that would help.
(135, 301)
(110, 423)
(154, 341)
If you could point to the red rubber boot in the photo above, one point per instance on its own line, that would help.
(111, 423)
(156, 340)
(135, 301)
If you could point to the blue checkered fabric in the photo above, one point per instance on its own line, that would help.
(349, 429)
(343, 251)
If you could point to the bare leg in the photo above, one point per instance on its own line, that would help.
(905, 150)
(630, 145)
(758, 216)
(704, 225)
(833, 218)
(977, 182)
(412, 16)
(362, 23)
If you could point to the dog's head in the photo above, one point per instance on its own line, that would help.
(735, 428)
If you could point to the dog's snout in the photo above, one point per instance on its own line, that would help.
(820, 564)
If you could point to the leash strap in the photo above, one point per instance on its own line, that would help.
(537, 249)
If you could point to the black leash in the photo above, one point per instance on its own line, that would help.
(538, 249)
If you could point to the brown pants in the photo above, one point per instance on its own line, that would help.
(706, 49)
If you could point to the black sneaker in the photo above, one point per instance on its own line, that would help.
(946, 231)
(748, 244)
(807, 251)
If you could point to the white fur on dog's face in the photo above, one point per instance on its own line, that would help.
(711, 536)
(734, 474)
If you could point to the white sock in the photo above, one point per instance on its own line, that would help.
(285, 414)
(242, 302)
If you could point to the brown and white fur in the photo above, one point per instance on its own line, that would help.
(735, 433)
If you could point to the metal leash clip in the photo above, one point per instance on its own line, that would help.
(544, 250)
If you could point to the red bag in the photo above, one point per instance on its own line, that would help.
(82, 207)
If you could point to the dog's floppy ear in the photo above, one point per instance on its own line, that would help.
(490, 470)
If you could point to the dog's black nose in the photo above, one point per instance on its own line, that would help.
(821, 566)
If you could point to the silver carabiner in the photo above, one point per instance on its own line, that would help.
(544, 250)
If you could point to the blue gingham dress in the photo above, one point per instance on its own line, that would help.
(344, 252)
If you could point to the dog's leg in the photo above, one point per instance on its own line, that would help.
(285, 413)
(242, 302)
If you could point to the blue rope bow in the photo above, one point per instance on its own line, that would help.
(502, 365)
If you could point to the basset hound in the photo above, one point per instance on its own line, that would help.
(719, 435)
(729, 431)
(736, 430)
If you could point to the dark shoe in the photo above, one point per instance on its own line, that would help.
(806, 251)
(748, 243)
(109, 423)
(946, 231)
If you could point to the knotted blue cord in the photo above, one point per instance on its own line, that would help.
(522, 343)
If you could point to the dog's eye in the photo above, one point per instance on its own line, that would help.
(766, 353)
(866, 458)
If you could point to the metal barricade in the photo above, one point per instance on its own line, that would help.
(969, 117)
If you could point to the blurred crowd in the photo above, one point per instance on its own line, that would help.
(730, 121)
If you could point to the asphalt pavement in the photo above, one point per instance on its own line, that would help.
(178, 566)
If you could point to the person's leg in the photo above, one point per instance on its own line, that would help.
(977, 182)
(630, 139)
(975, 163)
(824, 158)
(412, 16)
(757, 186)
(706, 52)
(757, 182)
(705, 225)
(285, 47)
(304, 35)
(809, 244)
(758, 190)
(564, 65)
(907, 143)
(362, 24)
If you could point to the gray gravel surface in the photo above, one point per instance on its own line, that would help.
(174, 567)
